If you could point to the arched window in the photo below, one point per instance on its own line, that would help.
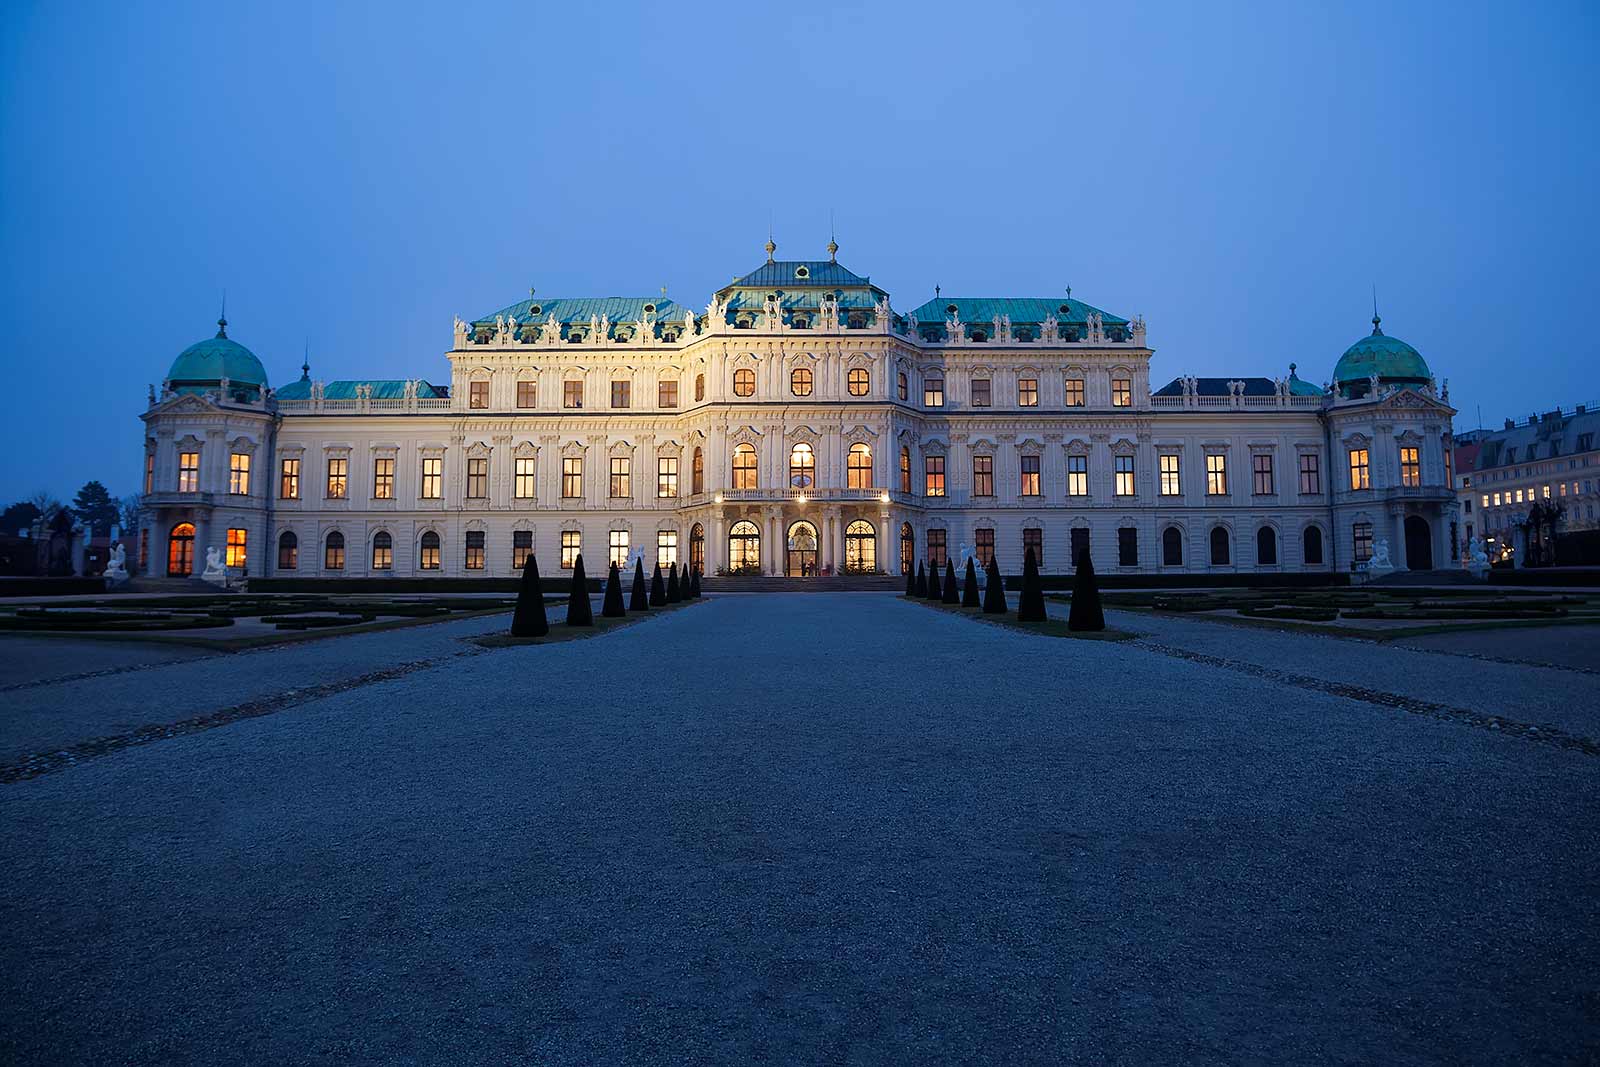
(1312, 552)
(860, 548)
(697, 473)
(905, 470)
(180, 551)
(858, 382)
(430, 551)
(333, 552)
(697, 548)
(802, 466)
(1266, 547)
(859, 464)
(744, 547)
(1219, 546)
(1171, 547)
(382, 551)
(744, 467)
(288, 551)
(744, 382)
(699, 386)
(800, 381)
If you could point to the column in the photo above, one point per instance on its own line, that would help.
(888, 541)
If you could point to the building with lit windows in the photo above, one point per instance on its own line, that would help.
(1549, 460)
(796, 424)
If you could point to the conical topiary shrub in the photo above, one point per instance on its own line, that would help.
(952, 591)
(612, 607)
(658, 588)
(911, 582)
(935, 588)
(969, 588)
(529, 620)
(694, 584)
(674, 587)
(640, 599)
(1086, 613)
(994, 594)
(921, 587)
(1030, 605)
(579, 613)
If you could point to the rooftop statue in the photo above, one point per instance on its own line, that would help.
(550, 332)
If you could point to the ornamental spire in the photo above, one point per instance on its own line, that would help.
(222, 320)
(1377, 330)
(305, 365)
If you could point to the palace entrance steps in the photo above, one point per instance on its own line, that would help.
(834, 583)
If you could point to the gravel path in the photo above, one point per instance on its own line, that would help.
(809, 828)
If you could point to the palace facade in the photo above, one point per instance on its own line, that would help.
(797, 424)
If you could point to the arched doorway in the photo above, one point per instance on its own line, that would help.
(744, 548)
(802, 562)
(180, 551)
(1419, 544)
(860, 548)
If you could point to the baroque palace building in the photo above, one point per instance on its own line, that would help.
(796, 425)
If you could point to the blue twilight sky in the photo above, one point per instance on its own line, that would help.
(357, 174)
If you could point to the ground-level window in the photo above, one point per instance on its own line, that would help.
(236, 541)
(744, 547)
(1312, 552)
(288, 551)
(667, 548)
(697, 548)
(983, 545)
(1219, 547)
(936, 544)
(619, 548)
(180, 551)
(860, 548)
(1127, 547)
(1033, 541)
(430, 554)
(571, 546)
(474, 557)
(521, 548)
(382, 551)
(1080, 546)
(1266, 547)
(908, 548)
(1171, 547)
(333, 552)
(1362, 534)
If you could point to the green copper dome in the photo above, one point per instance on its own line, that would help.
(1390, 358)
(204, 364)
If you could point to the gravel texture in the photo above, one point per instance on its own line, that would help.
(803, 829)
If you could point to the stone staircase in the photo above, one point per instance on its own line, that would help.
(1450, 576)
(837, 583)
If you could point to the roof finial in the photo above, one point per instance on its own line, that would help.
(663, 292)
(530, 292)
(305, 366)
(936, 292)
(222, 320)
(1376, 329)
(1069, 292)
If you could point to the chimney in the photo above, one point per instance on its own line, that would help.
(1580, 410)
(1511, 424)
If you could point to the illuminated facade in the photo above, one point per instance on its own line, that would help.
(797, 424)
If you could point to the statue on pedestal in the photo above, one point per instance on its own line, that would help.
(215, 572)
(1477, 559)
(1380, 563)
(117, 567)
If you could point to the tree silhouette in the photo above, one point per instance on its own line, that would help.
(95, 507)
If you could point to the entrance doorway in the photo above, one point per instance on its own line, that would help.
(802, 562)
(1419, 544)
(180, 551)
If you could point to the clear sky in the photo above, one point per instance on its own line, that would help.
(357, 174)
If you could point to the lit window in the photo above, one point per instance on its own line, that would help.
(1310, 474)
(982, 392)
(744, 547)
(858, 381)
(477, 477)
(288, 551)
(744, 467)
(1261, 473)
(1030, 475)
(188, 472)
(382, 551)
(1362, 533)
(1410, 467)
(571, 477)
(697, 472)
(149, 472)
(983, 476)
(526, 478)
(430, 555)
(1486, 499)
(621, 476)
(667, 393)
(905, 470)
(933, 392)
(521, 548)
(1497, 499)
(432, 478)
(933, 470)
(527, 394)
(800, 381)
(1124, 475)
(571, 546)
(1121, 392)
(802, 466)
(236, 539)
(1077, 475)
(1360, 474)
(289, 479)
(983, 547)
(858, 467)
(667, 476)
(1216, 474)
(1171, 474)
(860, 548)
(477, 394)
(1519, 496)
(619, 548)
(338, 470)
(744, 382)
(1028, 392)
(621, 394)
(667, 548)
(1033, 541)
(474, 559)
(333, 552)
(572, 394)
(936, 545)
(903, 384)
(383, 478)
(1074, 392)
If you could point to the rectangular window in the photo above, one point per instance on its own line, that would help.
(1216, 474)
(1310, 474)
(621, 394)
(188, 472)
(667, 393)
(1410, 467)
(933, 392)
(1080, 545)
(571, 477)
(933, 468)
(1127, 546)
(905, 470)
(527, 394)
(477, 394)
(1027, 392)
(526, 478)
(1519, 496)
(1077, 475)
(382, 552)
(936, 548)
(149, 472)
(572, 394)
(1171, 475)
(333, 552)
(1362, 532)
(288, 552)
(621, 476)
(477, 477)
(571, 545)
(338, 471)
(983, 476)
(236, 539)
(984, 546)
(982, 392)
(1486, 499)
(1121, 392)
(1030, 475)
(667, 476)
(667, 547)
(1359, 473)
(521, 548)
(432, 478)
(1074, 392)
(1261, 473)
(904, 385)
(289, 479)
(699, 387)
(383, 478)
(474, 550)
(1497, 499)
(1124, 473)
(429, 559)
(1033, 541)
(619, 548)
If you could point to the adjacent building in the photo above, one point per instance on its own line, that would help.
(1551, 461)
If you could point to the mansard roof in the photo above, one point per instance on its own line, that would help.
(579, 309)
(382, 389)
(1022, 309)
(800, 273)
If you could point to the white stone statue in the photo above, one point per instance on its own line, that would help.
(1138, 331)
(550, 332)
(1380, 563)
(461, 332)
(1372, 384)
(688, 324)
(1050, 330)
(605, 331)
(215, 572)
(1477, 558)
(117, 568)
(644, 332)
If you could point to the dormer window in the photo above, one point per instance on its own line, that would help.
(1511, 455)
(649, 309)
(979, 335)
(950, 309)
(535, 309)
(1065, 309)
(802, 272)
(857, 322)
